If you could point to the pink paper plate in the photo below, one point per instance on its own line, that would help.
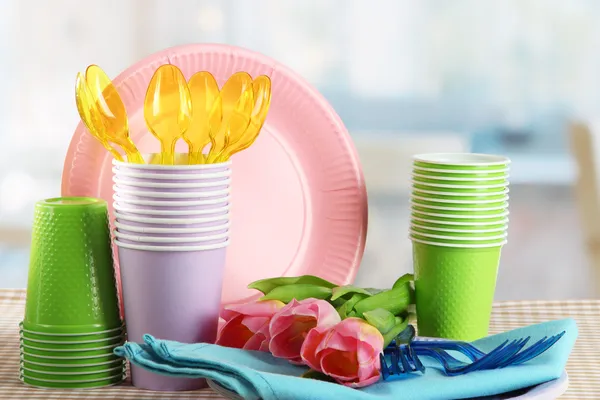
(299, 203)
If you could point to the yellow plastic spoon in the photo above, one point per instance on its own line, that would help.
(112, 111)
(236, 98)
(261, 87)
(168, 109)
(204, 91)
(89, 114)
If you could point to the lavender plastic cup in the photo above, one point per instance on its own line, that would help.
(144, 195)
(178, 223)
(171, 178)
(136, 239)
(172, 205)
(181, 167)
(173, 295)
(171, 187)
(162, 213)
(173, 232)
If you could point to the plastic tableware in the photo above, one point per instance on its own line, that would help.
(181, 302)
(173, 187)
(456, 229)
(461, 161)
(72, 376)
(68, 333)
(165, 240)
(438, 216)
(46, 366)
(76, 346)
(458, 203)
(111, 111)
(133, 175)
(78, 384)
(68, 341)
(173, 205)
(76, 353)
(172, 222)
(172, 232)
(204, 91)
(90, 115)
(460, 181)
(261, 87)
(129, 194)
(460, 173)
(460, 242)
(71, 280)
(215, 210)
(235, 106)
(458, 239)
(67, 359)
(457, 233)
(448, 195)
(450, 209)
(456, 245)
(458, 224)
(168, 109)
(460, 188)
(454, 289)
(304, 220)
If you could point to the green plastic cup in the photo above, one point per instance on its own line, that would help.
(71, 283)
(74, 376)
(450, 209)
(458, 204)
(439, 217)
(454, 290)
(456, 233)
(458, 173)
(82, 368)
(54, 345)
(457, 240)
(437, 195)
(67, 359)
(71, 337)
(470, 190)
(460, 182)
(429, 223)
(461, 161)
(77, 353)
(79, 384)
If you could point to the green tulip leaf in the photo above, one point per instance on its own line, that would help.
(395, 300)
(344, 290)
(267, 285)
(381, 319)
(403, 279)
(298, 291)
(345, 309)
(395, 331)
(312, 374)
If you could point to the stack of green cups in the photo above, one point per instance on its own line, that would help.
(72, 322)
(459, 220)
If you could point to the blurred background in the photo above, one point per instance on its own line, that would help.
(406, 76)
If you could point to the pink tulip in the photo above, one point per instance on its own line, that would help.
(290, 326)
(247, 325)
(348, 352)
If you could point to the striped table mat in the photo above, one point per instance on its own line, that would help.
(583, 368)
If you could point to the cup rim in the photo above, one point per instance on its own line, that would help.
(448, 178)
(453, 216)
(207, 247)
(22, 328)
(23, 360)
(465, 209)
(171, 221)
(505, 222)
(167, 213)
(109, 354)
(172, 195)
(122, 336)
(164, 239)
(160, 203)
(169, 185)
(451, 201)
(173, 177)
(416, 225)
(112, 346)
(185, 167)
(460, 171)
(24, 368)
(460, 246)
(458, 238)
(461, 187)
(460, 194)
(462, 159)
(143, 229)
(22, 375)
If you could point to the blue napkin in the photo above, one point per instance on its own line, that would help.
(258, 375)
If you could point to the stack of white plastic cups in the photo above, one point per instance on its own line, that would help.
(171, 232)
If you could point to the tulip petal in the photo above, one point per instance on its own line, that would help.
(258, 309)
(308, 352)
(341, 365)
(234, 333)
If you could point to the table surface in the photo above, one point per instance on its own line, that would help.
(583, 369)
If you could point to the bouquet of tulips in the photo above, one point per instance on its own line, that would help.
(337, 331)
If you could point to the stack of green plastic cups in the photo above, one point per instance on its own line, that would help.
(72, 322)
(458, 225)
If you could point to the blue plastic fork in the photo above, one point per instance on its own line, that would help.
(404, 354)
